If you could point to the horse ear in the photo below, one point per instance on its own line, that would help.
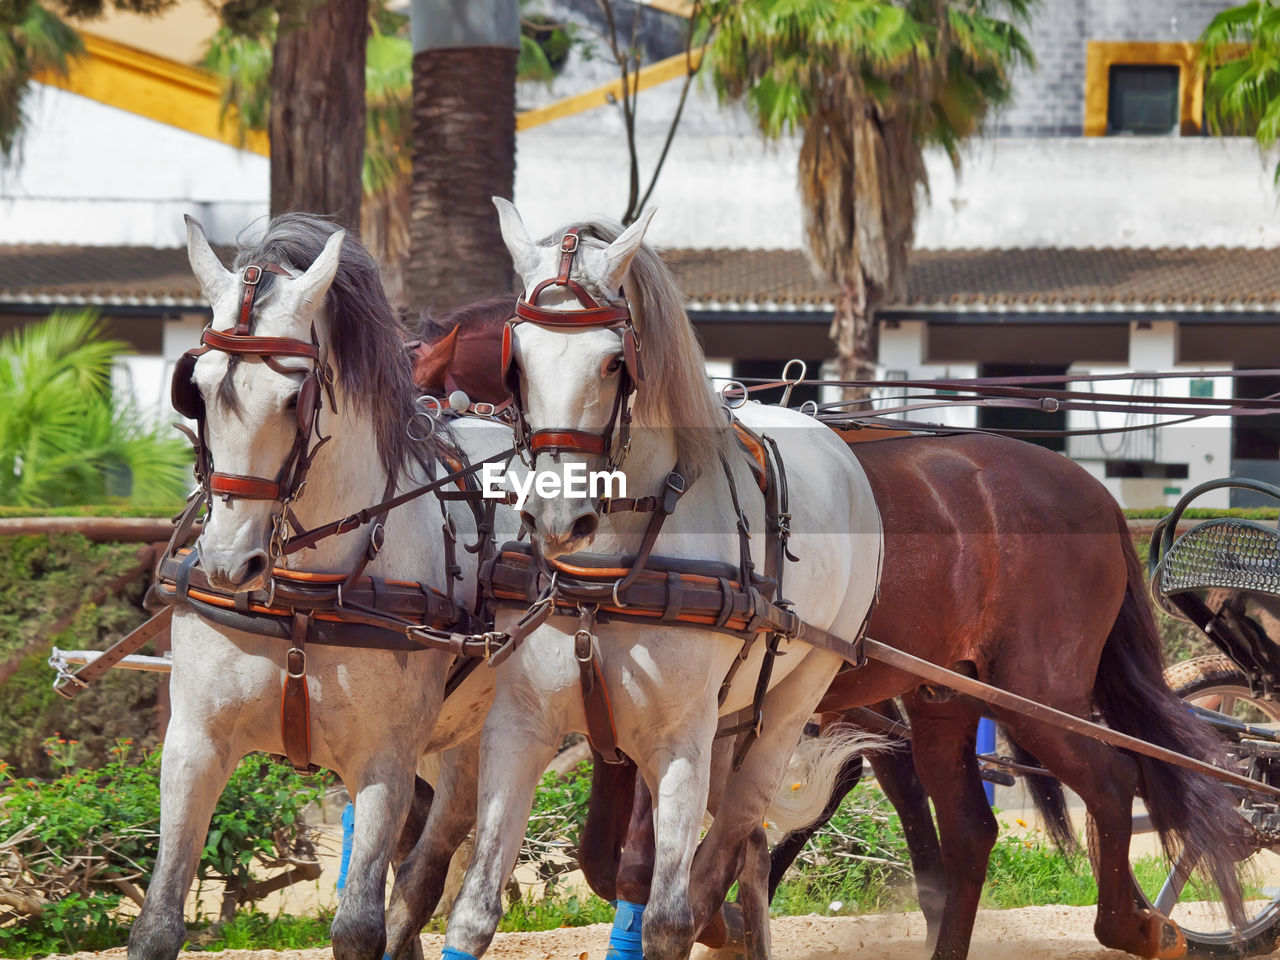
(524, 252)
(306, 292)
(620, 253)
(213, 276)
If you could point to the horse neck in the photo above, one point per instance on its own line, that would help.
(348, 476)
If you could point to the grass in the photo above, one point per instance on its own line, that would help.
(254, 930)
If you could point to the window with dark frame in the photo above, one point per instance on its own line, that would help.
(1143, 99)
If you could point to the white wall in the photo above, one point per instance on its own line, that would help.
(92, 174)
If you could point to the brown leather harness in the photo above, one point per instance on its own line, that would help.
(615, 441)
(304, 608)
(643, 588)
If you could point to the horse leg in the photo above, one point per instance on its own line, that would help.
(415, 822)
(1107, 781)
(683, 784)
(384, 786)
(753, 896)
(194, 767)
(943, 738)
(605, 831)
(896, 773)
(513, 756)
(634, 874)
(421, 877)
(721, 855)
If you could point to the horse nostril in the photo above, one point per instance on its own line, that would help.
(585, 526)
(256, 566)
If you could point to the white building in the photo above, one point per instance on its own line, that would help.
(1058, 248)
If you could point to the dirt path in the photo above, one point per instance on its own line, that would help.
(1032, 933)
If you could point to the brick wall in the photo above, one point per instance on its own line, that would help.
(1049, 101)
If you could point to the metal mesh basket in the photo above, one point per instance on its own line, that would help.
(1229, 554)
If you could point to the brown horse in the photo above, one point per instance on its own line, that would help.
(1011, 564)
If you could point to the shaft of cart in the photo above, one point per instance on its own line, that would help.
(60, 659)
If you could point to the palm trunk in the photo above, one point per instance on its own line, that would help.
(855, 332)
(317, 113)
(464, 144)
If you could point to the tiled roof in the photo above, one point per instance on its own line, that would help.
(1051, 278)
(1034, 279)
(143, 276)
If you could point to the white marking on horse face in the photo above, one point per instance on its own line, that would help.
(569, 377)
(254, 442)
(569, 380)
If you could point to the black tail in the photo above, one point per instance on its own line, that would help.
(1046, 793)
(1191, 812)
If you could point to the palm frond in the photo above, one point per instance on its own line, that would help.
(65, 438)
(33, 40)
(1241, 50)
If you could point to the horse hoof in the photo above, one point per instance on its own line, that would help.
(1165, 938)
(726, 934)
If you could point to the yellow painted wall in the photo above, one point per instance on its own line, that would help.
(650, 76)
(154, 87)
(170, 92)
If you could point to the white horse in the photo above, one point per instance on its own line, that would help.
(662, 681)
(373, 712)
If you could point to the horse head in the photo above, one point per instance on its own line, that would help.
(572, 367)
(256, 387)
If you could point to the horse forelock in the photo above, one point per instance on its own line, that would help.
(366, 342)
(676, 392)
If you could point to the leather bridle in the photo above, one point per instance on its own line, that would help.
(289, 482)
(615, 440)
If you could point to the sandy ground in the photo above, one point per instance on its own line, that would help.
(1031, 933)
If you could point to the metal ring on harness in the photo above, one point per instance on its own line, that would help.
(429, 416)
(616, 600)
(791, 383)
(739, 400)
(809, 408)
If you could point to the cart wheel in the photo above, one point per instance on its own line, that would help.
(1217, 683)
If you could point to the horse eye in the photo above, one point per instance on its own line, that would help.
(614, 365)
(292, 402)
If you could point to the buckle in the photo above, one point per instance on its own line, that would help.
(251, 275)
(569, 244)
(298, 657)
(483, 409)
(675, 482)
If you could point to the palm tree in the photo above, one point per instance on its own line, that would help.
(1242, 52)
(464, 146)
(33, 40)
(64, 437)
(242, 54)
(317, 126)
(868, 84)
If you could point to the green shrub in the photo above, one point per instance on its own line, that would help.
(77, 844)
(46, 583)
(64, 436)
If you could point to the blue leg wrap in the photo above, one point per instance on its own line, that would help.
(453, 953)
(624, 939)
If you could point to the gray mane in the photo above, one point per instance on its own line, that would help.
(373, 367)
